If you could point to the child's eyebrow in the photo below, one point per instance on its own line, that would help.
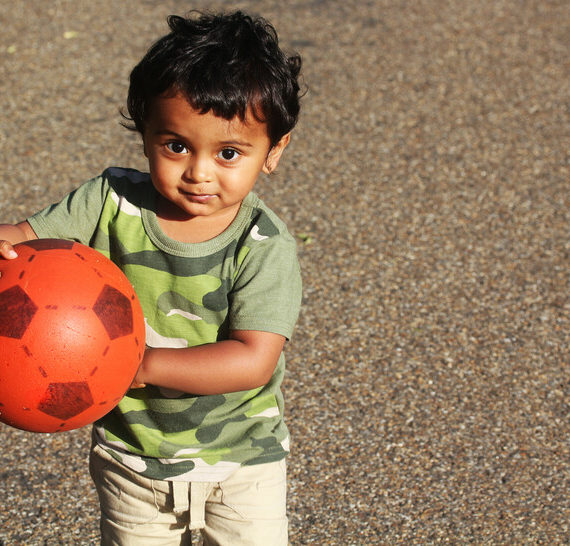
(229, 142)
(240, 143)
(166, 132)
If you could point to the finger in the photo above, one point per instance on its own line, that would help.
(7, 250)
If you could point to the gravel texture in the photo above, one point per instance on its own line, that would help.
(427, 182)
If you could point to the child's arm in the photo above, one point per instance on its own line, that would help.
(245, 361)
(11, 234)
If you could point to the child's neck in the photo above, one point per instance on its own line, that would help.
(193, 229)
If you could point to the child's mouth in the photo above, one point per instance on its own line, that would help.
(198, 197)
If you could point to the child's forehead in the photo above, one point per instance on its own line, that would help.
(175, 111)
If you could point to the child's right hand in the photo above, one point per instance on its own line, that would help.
(10, 234)
(7, 250)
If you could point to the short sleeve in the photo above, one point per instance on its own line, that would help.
(75, 217)
(266, 295)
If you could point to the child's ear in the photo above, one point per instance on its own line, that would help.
(275, 153)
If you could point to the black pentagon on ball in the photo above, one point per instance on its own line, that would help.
(115, 312)
(16, 312)
(66, 400)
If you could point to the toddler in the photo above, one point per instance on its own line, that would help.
(199, 441)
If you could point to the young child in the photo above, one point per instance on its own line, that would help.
(199, 442)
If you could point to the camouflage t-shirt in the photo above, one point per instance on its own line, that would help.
(247, 278)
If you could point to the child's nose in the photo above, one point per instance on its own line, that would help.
(199, 170)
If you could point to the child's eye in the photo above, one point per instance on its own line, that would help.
(228, 154)
(177, 147)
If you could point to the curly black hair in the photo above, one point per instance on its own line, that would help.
(224, 63)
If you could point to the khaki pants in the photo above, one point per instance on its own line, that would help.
(247, 508)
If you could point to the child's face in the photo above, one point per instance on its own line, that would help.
(203, 164)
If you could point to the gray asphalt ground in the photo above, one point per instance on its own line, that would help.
(428, 184)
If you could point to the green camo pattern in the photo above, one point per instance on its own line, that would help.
(191, 294)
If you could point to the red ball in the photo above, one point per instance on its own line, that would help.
(72, 336)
